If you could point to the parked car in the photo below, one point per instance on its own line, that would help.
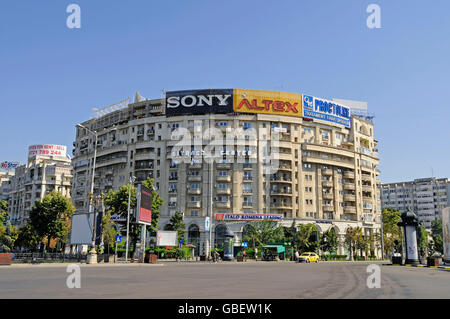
(308, 257)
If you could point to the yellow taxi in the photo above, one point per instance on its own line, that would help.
(308, 257)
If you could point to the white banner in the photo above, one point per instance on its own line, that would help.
(47, 149)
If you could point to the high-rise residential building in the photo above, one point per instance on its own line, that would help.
(48, 169)
(425, 196)
(325, 170)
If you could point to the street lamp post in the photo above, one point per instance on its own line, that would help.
(132, 179)
(92, 257)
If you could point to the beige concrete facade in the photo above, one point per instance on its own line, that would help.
(34, 180)
(327, 174)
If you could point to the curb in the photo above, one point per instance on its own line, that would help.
(423, 266)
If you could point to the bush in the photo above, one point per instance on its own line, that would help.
(333, 257)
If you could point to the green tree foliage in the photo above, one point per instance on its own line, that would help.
(354, 240)
(422, 239)
(262, 233)
(8, 233)
(289, 232)
(117, 203)
(109, 232)
(51, 217)
(308, 239)
(176, 224)
(437, 245)
(329, 241)
(391, 232)
(28, 237)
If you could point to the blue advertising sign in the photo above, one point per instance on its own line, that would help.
(325, 110)
(180, 241)
(118, 239)
(245, 244)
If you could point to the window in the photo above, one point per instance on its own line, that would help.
(247, 125)
(194, 212)
(247, 188)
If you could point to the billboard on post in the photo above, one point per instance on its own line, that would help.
(144, 205)
(166, 238)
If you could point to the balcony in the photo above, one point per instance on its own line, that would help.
(194, 191)
(195, 204)
(172, 191)
(281, 206)
(194, 178)
(366, 178)
(223, 204)
(327, 196)
(349, 186)
(247, 178)
(280, 179)
(349, 198)
(327, 184)
(350, 175)
(281, 192)
(327, 171)
(195, 166)
(367, 188)
(247, 205)
(223, 166)
(328, 208)
(223, 178)
(223, 191)
(172, 204)
(350, 209)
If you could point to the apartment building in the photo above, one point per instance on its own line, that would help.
(425, 196)
(326, 172)
(48, 169)
(5, 182)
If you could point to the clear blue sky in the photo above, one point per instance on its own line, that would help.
(51, 76)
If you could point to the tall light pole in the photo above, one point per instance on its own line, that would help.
(132, 179)
(92, 258)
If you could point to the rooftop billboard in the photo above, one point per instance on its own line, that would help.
(47, 149)
(267, 102)
(199, 101)
(330, 111)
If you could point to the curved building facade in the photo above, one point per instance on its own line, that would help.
(233, 156)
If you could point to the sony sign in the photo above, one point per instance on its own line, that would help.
(199, 101)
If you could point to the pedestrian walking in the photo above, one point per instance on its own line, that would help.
(256, 254)
(296, 255)
(243, 254)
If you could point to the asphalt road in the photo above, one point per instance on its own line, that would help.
(262, 280)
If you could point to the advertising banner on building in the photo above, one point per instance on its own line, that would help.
(47, 149)
(199, 101)
(144, 205)
(248, 217)
(267, 102)
(325, 110)
(7, 165)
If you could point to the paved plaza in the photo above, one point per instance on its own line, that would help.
(223, 280)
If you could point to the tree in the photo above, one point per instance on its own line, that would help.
(116, 202)
(329, 241)
(307, 238)
(176, 224)
(436, 233)
(263, 232)
(8, 232)
(422, 240)
(51, 217)
(289, 232)
(28, 237)
(109, 232)
(354, 240)
(391, 232)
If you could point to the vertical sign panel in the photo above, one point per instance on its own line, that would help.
(144, 205)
